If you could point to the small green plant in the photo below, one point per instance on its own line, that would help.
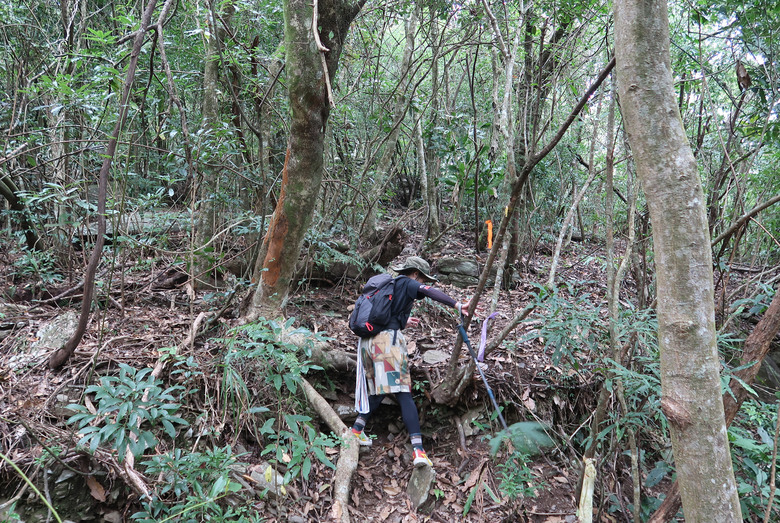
(295, 445)
(752, 444)
(47, 454)
(9, 515)
(123, 418)
(516, 479)
(571, 326)
(256, 353)
(41, 265)
(191, 486)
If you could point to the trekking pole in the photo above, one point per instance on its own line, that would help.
(482, 374)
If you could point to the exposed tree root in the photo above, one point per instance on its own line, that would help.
(348, 459)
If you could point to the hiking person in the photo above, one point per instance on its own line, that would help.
(384, 357)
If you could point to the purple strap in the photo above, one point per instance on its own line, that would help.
(483, 337)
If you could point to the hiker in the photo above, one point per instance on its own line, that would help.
(384, 356)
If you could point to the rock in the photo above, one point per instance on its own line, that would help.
(469, 428)
(345, 412)
(462, 272)
(55, 333)
(435, 356)
(50, 336)
(112, 517)
(462, 266)
(419, 487)
(460, 280)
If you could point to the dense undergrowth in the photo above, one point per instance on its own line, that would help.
(216, 422)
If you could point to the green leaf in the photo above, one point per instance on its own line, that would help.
(218, 487)
(306, 468)
(658, 473)
(169, 429)
(470, 499)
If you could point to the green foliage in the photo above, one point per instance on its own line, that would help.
(570, 326)
(258, 349)
(752, 443)
(516, 479)
(122, 418)
(191, 486)
(454, 145)
(9, 514)
(258, 352)
(325, 252)
(40, 265)
(295, 445)
(755, 304)
(528, 438)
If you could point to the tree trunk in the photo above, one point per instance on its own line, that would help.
(309, 95)
(61, 355)
(402, 98)
(207, 205)
(690, 383)
(755, 350)
(10, 192)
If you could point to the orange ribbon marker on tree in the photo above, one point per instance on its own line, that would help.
(490, 233)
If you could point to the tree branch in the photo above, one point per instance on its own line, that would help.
(744, 218)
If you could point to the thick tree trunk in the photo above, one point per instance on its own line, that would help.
(754, 351)
(308, 91)
(686, 312)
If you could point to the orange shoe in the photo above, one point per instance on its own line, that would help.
(421, 458)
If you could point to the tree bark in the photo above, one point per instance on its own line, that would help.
(755, 350)
(303, 166)
(10, 191)
(665, 164)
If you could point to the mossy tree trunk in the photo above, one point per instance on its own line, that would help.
(303, 166)
(665, 164)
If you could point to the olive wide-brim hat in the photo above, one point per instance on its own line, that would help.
(415, 263)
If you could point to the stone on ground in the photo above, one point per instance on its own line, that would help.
(420, 485)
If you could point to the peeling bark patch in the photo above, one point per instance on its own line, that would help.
(676, 412)
(277, 233)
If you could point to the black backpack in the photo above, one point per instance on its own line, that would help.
(372, 310)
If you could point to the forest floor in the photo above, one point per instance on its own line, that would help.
(141, 318)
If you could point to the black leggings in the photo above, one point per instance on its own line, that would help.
(408, 410)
